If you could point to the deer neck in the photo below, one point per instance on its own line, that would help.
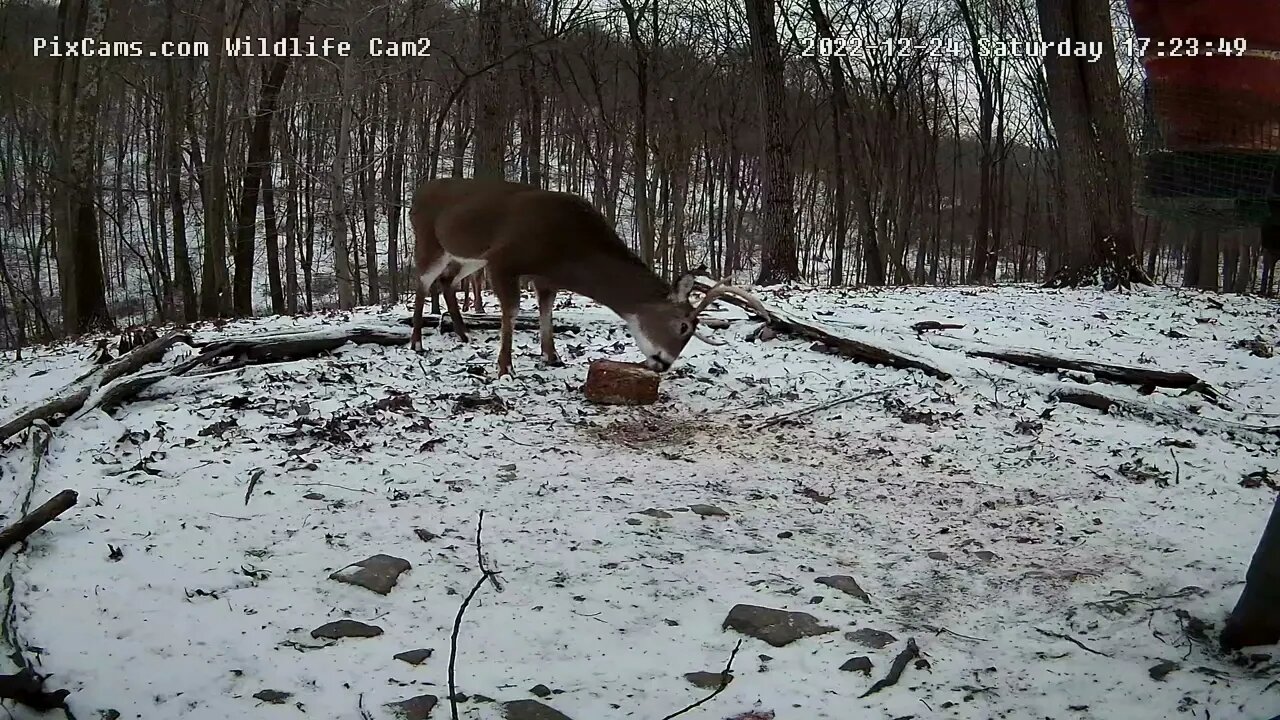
(620, 282)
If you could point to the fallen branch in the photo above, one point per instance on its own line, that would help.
(1155, 413)
(37, 519)
(824, 406)
(486, 575)
(784, 322)
(725, 676)
(1071, 640)
(908, 654)
(1126, 374)
(484, 321)
(72, 397)
(27, 688)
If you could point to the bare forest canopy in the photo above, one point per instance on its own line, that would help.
(138, 187)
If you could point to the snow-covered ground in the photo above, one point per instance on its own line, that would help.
(983, 519)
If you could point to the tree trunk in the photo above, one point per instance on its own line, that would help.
(259, 156)
(778, 261)
(640, 137)
(1093, 147)
(213, 184)
(490, 121)
(1255, 620)
(342, 269)
(75, 129)
(272, 240)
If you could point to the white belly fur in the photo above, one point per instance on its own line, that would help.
(467, 267)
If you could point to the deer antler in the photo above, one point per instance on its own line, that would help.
(721, 289)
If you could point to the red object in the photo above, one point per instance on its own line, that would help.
(1219, 102)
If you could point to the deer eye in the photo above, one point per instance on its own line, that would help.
(685, 328)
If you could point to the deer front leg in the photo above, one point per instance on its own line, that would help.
(546, 301)
(507, 288)
(451, 301)
(415, 338)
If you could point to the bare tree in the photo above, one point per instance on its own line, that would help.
(778, 262)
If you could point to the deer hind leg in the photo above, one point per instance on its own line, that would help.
(507, 288)
(415, 339)
(546, 301)
(447, 284)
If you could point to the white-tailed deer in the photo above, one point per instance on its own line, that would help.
(560, 242)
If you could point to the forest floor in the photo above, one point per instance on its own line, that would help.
(1049, 560)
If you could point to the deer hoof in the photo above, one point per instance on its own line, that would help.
(552, 361)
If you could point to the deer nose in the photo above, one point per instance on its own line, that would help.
(658, 363)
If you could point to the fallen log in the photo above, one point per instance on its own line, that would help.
(1126, 374)
(1172, 416)
(72, 397)
(784, 322)
(486, 321)
(36, 519)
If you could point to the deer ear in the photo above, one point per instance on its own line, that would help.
(683, 287)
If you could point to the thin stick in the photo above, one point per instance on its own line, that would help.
(485, 574)
(340, 487)
(825, 406)
(725, 677)
(895, 670)
(1071, 640)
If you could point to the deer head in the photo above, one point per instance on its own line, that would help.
(663, 327)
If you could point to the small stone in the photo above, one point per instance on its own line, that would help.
(425, 535)
(707, 680)
(871, 638)
(1162, 669)
(708, 511)
(275, 697)
(531, 710)
(540, 690)
(846, 585)
(313, 496)
(655, 512)
(634, 521)
(378, 573)
(861, 664)
(345, 629)
(616, 383)
(415, 708)
(815, 599)
(414, 657)
(109, 714)
(785, 534)
(776, 627)
(938, 555)
(986, 555)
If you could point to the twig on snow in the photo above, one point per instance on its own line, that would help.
(1071, 640)
(364, 714)
(725, 677)
(340, 487)
(1177, 468)
(253, 482)
(911, 652)
(825, 406)
(485, 575)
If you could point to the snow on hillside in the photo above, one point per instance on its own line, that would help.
(1044, 557)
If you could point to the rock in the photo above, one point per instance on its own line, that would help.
(707, 680)
(776, 627)
(861, 664)
(871, 638)
(655, 512)
(275, 697)
(986, 555)
(540, 690)
(846, 585)
(414, 657)
(531, 710)
(785, 535)
(634, 521)
(1161, 669)
(938, 555)
(415, 708)
(313, 496)
(616, 383)
(378, 573)
(425, 535)
(708, 511)
(345, 629)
